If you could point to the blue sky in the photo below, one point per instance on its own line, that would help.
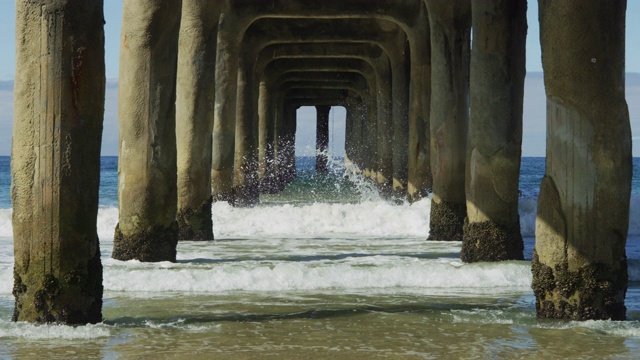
(533, 143)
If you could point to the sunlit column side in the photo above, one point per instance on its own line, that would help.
(579, 264)
(195, 92)
(147, 173)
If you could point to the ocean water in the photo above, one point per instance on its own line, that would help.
(326, 269)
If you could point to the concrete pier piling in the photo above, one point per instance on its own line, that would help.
(147, 175)
(55, 161)
(195, 90)
(450, 42)
(419, 177)
(224, 126)
(322, 138)
(492, 228)
(579, 263)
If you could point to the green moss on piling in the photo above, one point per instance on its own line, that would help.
(594, 292)
(490, 241)
(153, 244)
(196, 224)
(447, 221)
(73, 299)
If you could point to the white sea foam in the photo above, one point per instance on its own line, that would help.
(369, 218)
(52, 332)
(369, 273)
(609, 327)
(378, 218)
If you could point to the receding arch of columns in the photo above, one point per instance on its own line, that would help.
(282, 66)
(285, 129)
(389, 37)
(351, 81)
(355, 80)
(241, 18)
(256, 40)
(286, 87)
(383, 135)
(285, 134)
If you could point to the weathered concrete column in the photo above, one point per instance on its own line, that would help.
(195, 89)
(450, 35)
(55, 161)
(278, 140)
(288, 145)
(349, 136)
(420, 179)
(224, 126)
(266, 161)
(322, 137)
(246, 182)
(370, 130)
(400, 119)
(579, 264)
(147, 173)
(358, 143)
(492, 229)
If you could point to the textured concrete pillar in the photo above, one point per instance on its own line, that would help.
(353, 129)
(450, 35)
(420, 180)
(55, 161)
(349, 133)
(358, 129)
(492, 231)
(246, 183)
(288, 145)
(579, 264)
(279, 138)
(195, 89)
(370, 139)
(147, 173)
(266, 155)
(400, 118)
(224, 126)
(384, 136)
(322, 138)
